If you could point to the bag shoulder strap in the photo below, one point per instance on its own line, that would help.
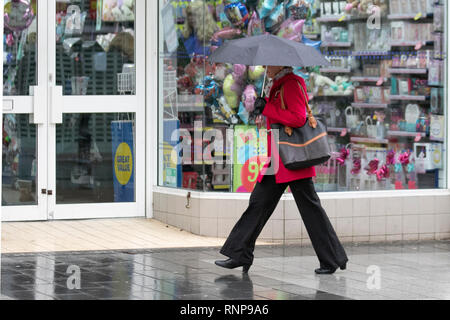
(312, 121)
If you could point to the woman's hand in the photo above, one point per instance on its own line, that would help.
(260, 121)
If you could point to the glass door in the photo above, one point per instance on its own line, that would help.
(24, 186)
(74, 109)
(96, 122)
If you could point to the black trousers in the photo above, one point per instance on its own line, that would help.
(263, 201)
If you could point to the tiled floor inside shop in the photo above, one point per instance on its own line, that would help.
(375, 271)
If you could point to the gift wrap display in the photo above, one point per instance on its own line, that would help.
(382, 96)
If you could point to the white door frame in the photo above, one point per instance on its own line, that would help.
(99, 104)
(46, 109)
(36, 106)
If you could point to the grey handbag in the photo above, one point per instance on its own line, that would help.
(306, 146)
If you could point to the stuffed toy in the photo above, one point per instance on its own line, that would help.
(233, 84)
(256, 72)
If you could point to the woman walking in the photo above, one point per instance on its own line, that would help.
(240, 244)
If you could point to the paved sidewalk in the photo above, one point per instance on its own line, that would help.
(98, 234)
(405, 270)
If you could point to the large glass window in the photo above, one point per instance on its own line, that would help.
(382, 98)
(95, 47)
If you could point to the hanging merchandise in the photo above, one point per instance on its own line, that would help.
(237, 14)
(18, 15)
(118, 10)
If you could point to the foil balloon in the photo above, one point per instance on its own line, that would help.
(243, 113)
(390, 157)
(233, 84)
(19, 15)
(383, 173)
(255, 25)
(291, 29)
(225, 109)
(373, 167)
(343, 156)
(256, 72)
(267, 7)
(209, 89)
(226, 34)
(404, 158)
(9, 40)
(356, 167)
(273, 22)
(249, 97)
(298, 9)
(314, 44)
(237, 13)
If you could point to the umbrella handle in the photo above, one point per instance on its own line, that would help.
(264, 84)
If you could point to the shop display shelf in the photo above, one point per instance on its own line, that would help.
(408, 97)
(437, 139)
(368, 140)
(407, 71)
(392, 133)
(410, 16)
(336, 70)
(367, 79)
(365, 53)
(363, 105)
(336, 44)
(410, 43)
(336, 130)
(334, 18)
(312, 36)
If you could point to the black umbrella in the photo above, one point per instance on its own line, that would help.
(268, 50)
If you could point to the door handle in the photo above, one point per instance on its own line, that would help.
(56, 104)
(39, 105)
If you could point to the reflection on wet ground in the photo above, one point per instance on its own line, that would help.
(386, 271)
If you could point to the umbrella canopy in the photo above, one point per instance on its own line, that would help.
(268, 50)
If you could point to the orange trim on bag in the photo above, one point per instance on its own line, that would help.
(306, 143)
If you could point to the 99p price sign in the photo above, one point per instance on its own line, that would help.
(251, 170)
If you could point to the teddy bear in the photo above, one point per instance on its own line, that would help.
(323, 83)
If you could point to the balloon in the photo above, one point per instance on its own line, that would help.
(291, 29)
(243, 113)
(256, 72)
(314, 44)
(249, 97)
(226, 33)
(209, 88)
(10, 40)
(275, 18)
(237, 13)
(233, 84)
(298, 9)
(19, 15)
(255, 25)
(267, 8)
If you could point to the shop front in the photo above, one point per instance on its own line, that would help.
(384, 100)
(73, 109)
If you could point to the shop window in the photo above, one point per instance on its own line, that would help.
(382, 96)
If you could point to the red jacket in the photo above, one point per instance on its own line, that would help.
(294, 116)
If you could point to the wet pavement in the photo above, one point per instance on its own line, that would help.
(375, 271)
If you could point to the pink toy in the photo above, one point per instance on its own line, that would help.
(249, 97)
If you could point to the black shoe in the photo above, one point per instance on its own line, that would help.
(328, 270)
(232, 264)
